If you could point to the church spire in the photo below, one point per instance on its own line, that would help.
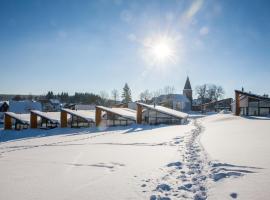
(187, 85)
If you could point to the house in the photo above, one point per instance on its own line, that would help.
(45, 120)
(155, 114)
(50, 105)
(106, 116)
(16, 121)
(84, 107)
(24, 106)
(247, 103)
(180, 102)
(77, 118)
(214, 106)
(4, 105)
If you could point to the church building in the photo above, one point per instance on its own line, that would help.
(181, 102)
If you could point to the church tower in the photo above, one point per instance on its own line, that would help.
(188, 90)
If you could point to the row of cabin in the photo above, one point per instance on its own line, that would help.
(100, 117)
(214, 106)
(247, 104)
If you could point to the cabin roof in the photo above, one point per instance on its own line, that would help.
(164, 110)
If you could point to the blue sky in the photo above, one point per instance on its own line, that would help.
(93, 46)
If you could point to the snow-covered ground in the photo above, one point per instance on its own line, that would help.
(216, 157)
(242, 143)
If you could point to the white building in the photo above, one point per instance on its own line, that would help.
(180, 102)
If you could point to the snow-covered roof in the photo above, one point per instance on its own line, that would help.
(164, 110)
(2, 102)
(88, 115)
(24, 106)
(51, 116)
(122, 112)
(259, 97)
(85, 107)
(23, 118)
(54, 101)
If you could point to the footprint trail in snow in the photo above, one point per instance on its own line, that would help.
(189, 177)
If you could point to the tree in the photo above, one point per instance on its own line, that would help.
(145, 96)
(168, 90)
(201, 91)
(209, 92)
(64, 97)
(104, 96)
(30, 97)
(17, 98)
(126, 94)
(214, 92)
(50, 95)
(115, 95)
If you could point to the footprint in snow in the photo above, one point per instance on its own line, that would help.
(234, 195)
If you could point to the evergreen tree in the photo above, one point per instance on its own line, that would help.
(126, 94)
(50, 95)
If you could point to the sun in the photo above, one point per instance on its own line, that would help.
(160, 49)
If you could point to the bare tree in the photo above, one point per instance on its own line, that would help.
(214, 92)
(156, 94)
(104, 96)
(115, 95)
(209, 92)
(201, 91)
(168, 90)
(145, 96)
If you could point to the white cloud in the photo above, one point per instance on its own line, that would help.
(192, 10)
(204, 30)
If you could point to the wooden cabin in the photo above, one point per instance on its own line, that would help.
(16, 121)
(251, 104)
(155, 114)
(77, 118)
(44, 120)
(114, 116)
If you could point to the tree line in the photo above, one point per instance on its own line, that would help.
(205, 93)
(103, 98)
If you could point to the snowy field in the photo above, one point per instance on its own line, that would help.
(216, 157)
(242, 143)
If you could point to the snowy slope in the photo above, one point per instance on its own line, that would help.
(215, 157)
(113, 164)
(243, 142)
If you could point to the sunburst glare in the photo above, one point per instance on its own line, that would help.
(160, 50)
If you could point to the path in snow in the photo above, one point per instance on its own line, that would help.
(191, 175)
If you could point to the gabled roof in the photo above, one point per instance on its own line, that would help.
(187, 84)
(122, 112)
(166, 111)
